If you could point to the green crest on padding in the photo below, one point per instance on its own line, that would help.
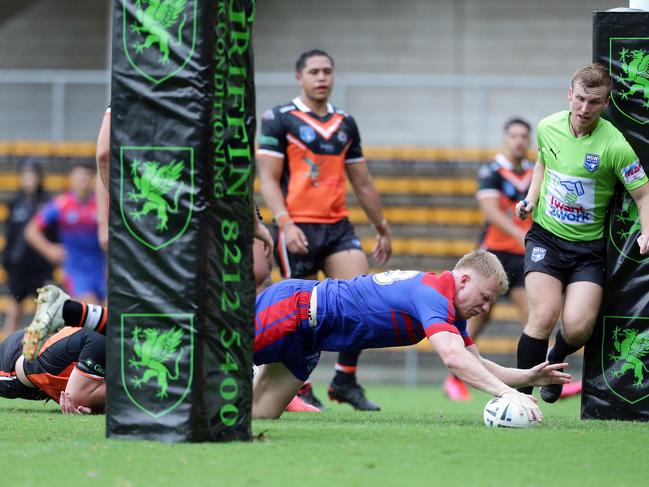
(624, 227)
(629, 69)
(156, 193)
(625, 354)
(159, 36)
(157, 360)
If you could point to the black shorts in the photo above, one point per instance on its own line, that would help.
(566, 260)
(70, 348)
(514, 265)
(324, 240)
(22, 284)
(10, 387)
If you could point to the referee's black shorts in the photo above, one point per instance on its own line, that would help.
(566, 260)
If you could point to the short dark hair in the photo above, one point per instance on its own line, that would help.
(301, 61)
(517, 121)
(84, 164)
(592, 75)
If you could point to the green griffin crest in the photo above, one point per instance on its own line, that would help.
(156, 193)
(155, 182)
(157, 355)
(630, 347)
(155, 23)
(629, 69)
(159, 36)
(625, 348)
(152, 353)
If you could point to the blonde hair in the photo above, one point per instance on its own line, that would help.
(592, 75)
(487, 265)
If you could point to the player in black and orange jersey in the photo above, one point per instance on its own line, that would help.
(69, 369)
(502, 183)
(307, 149)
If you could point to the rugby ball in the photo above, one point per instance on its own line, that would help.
(501, 413)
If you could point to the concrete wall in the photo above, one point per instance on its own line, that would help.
(434, 72)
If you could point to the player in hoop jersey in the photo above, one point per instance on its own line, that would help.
(297, 319)
(307, 149)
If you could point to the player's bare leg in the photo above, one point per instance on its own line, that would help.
(273, 388)
(545, 300)
(580, 311)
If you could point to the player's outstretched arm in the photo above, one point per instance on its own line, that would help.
(542, 374)
(468, 366)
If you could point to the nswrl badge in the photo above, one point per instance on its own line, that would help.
(156, 193)
(625, 357)
(629, 70)
(157, 356)
(159, 36)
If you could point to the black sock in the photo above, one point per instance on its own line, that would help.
(531, 352)
(561, 349)
(83, 315)
(72, 313)
(346, 367)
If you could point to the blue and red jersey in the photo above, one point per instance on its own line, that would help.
(76, 221)
(390, 309)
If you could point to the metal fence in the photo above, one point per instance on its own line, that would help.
(391, 109)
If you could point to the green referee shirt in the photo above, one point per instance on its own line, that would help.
(580, 176)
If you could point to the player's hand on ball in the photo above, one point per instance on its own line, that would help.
(527, 402)
(523, 209)
(546, 373)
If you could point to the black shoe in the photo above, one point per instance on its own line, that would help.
(306, 394)
(351, 393)
(551, 393)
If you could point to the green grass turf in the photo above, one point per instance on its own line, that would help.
(420, 438)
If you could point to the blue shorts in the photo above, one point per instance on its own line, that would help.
(80, 282)
(282, 330)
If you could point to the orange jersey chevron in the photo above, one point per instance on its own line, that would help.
(315, 150)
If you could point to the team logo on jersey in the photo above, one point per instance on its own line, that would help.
(159, 36)
(156, 193)
(629, 69)
(591, 162)
(624, 226)
(625, 356)
(307, 134)
(342, 137)
(157, 357)
(538, 253)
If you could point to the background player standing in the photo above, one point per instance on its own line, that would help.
(501, 184)
(305, 149)
(74, 213)
(27, 270)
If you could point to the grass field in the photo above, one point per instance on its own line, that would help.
(419, 438)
